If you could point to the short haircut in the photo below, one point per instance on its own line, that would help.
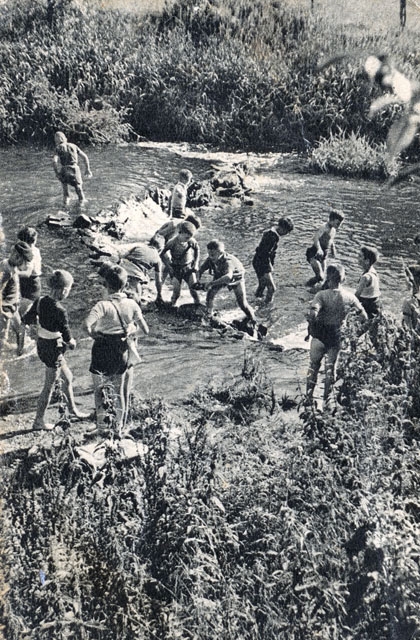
(187, 228)
(370, 253)
(114, 276)
(59, 138)
(336, 273)
(157, 241)
(336, 214)
(185, 175)
(60, 280)
(286, 224)
(23, 250)
(215, 245)
(27, 234)
(195, 220)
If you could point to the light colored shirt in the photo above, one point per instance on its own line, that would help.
(331, 306)
(103, 317)
(179, 197)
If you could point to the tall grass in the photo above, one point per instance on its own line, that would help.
(235, 74)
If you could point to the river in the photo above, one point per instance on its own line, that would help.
(177, 356)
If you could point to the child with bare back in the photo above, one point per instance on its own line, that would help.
(323, 246)
(66, 167)
(182, 261)
(178, 200)
(54, 337)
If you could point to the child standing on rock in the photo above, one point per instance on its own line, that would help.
(54, 337)
(66, 167)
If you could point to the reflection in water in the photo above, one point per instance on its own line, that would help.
(177, 357)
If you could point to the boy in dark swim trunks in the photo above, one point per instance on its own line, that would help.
(54, 337)
(183, 262)
(323, 246)
(328, 310)
(265, 254)
(368, 289)
(66, 167)
(228, 272)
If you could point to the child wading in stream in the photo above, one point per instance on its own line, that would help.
(66, 167)
(54, 337)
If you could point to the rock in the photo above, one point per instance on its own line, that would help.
(82, 222)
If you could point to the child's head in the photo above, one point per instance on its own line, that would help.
(28, 235)
(21, 252)
(335, 218)
(59, 138)
(368, 256)
(195, 220)
(60, 284)
(186, 230)
(335, 275)
(157, 242)
(185, 176)
(285, 226)
(115, 277)
(215, 248)
(412, 272)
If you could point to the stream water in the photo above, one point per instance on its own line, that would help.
(176, 355)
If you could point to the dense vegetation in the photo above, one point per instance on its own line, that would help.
(248, 524)
(235, 74)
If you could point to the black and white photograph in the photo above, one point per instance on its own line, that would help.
(210, 319)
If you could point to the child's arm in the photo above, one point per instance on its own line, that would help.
(204, 267)
(158, 280)
(196, 256)
(32, 313)
(364, 282)
(166, 259)
(85, 159)
(57, 165)
(141, 321)
(317, 244)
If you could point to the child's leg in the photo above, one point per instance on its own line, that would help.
(262, 283)
(271, 287)
(127, 386)
(240, 294)
(192, 280)
(176, 290)
(80, 194)
(317, 352)
(317, 269)
(51, 376)
(66, 195)
(211, 294)
(67, 377)
(330, 370)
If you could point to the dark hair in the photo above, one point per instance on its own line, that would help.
(370, 253)
(286, 224)
(157, 241)
(24, 250)
(114, 276)
(195, 220)
(215, 245)
(185, 174)
(187, 227)
(27, 234)
(336, 214)
(336, 273)
(60, 279)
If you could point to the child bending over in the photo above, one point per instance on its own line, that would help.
(323, 246)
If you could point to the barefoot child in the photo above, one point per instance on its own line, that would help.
(183, 262)
(228, 272)
(54, 337)
(265, 254)
(20, 256)
(66, 167)
(112, 323)
(368, 289)
(323, 246)
(328, 310)
(179, 195)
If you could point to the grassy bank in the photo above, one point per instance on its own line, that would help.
(249, 524)
(231, 74)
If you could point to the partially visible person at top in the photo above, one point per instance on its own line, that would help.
(368, 291)
(228, 271)
(169, 230)
(139, 261)
(178, 200)
(264, 257)
(66, 167)
(328, 310)
(54, 338)
(181, 257)
(323, 246)
(10, 319)
(411, 305)
(113, 323)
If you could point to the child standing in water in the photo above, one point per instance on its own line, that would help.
(54, 337)
(368, 290)
(265, 254)
(183, 262)
(179, 195)
(323, 246)
(20, 257)
(328, 310)
(66, 167)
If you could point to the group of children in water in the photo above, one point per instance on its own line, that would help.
(113, 323)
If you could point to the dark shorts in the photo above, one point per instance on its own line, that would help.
(182, 272)
(372, 306)
(329, 335)
(30, 287)
(178, 213)
(311, 253)
(262, 266)
(71, 175)
(51, 352)
(109, 355)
